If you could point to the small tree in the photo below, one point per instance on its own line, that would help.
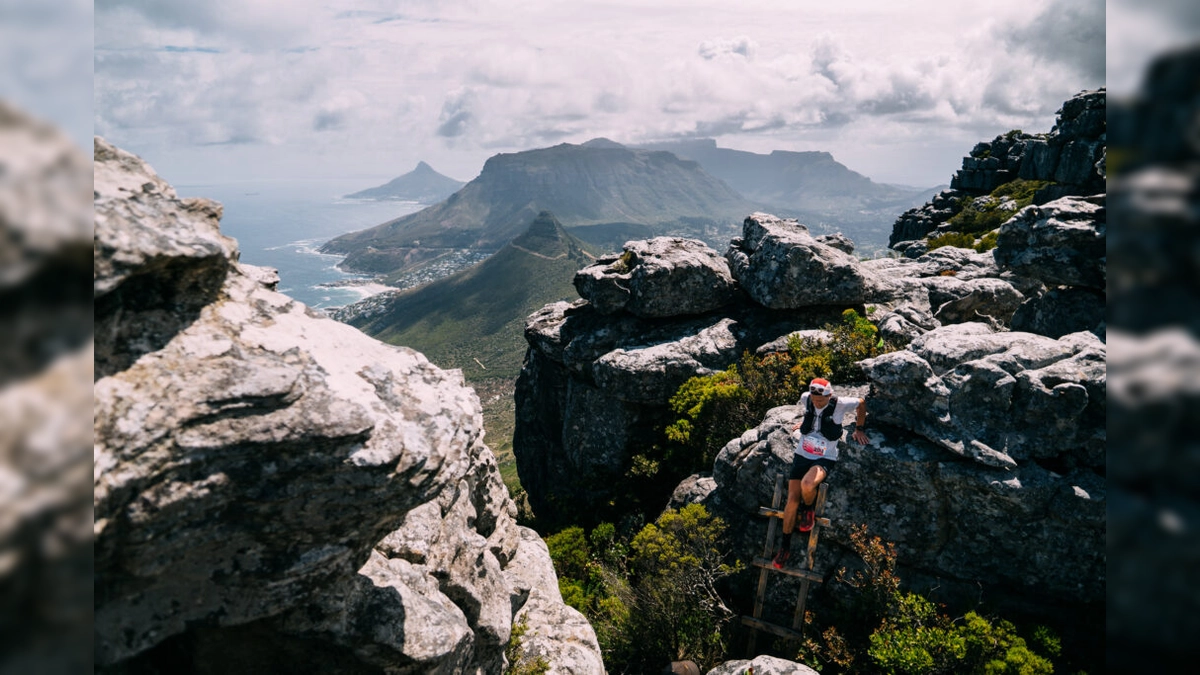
(677, 563)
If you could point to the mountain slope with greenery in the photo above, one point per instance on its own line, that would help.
(475, 319)
(423, 185)
(604, 193)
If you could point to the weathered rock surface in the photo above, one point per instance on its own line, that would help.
(262, 470)
(1060, 311)
(999, 398)
(660, 277)
(944, 513)
(781, 266)
(762, 665)
(1062, 242)
(46, 358)
(595, 387)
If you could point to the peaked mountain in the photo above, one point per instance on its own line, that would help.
(479, 313)
(811, 186)
(422, 185)
(603, 192)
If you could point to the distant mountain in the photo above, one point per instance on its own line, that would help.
(603, 192)
(479, 313)
(422, 185)
(812, 186)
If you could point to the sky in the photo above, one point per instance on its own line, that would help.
(251, 89)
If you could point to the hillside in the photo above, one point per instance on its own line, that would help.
(423, 185)
(480, 313)
(604, 193)
(811, 186)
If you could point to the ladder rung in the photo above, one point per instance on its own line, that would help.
(790, 571)
(777, 513)
(771, 628)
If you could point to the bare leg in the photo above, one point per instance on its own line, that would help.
(793, 505)
(808, 488)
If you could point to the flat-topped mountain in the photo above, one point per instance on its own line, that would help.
(604, 193)
(812, 186)
(423, 185)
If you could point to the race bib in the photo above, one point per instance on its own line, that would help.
(813, 446)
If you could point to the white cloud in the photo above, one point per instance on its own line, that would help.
(380, 84)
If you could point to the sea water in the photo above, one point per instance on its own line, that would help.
(282, 224)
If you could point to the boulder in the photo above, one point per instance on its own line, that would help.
(1061, 311)
(46, 367)
(986, 298)
(660, 277)
(1059, 243)
(942, 512)
(998, 398)
(762, 665)
(273, 487)
(781, 266)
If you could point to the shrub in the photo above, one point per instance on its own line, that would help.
(959, 239)
(520, 663)
(987, 242)
(890, 631)
(677, 562)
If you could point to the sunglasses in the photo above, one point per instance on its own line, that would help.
(821, 391)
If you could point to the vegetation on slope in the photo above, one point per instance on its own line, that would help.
(977, 223)
(656, 595)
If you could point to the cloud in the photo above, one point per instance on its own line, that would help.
(457, 113)
(740, 46)
(1066, 34)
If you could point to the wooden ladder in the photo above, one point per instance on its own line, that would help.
(805, 574)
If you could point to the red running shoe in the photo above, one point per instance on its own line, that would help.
(781, 558)
(807, 518)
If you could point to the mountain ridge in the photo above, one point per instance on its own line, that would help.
(810, 185)
(423, 185)
(618, 192)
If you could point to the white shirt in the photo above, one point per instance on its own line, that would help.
(814, 445)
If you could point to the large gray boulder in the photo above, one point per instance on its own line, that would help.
(1061, 311)
(998, 398)
(660, 277)
(781, 266)
(1059, 243)
(1026, 538)
(46, 370)
(272, 486)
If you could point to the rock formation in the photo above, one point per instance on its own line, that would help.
(273, 487)
(45, 370)
(987, 454)
(1071, 158)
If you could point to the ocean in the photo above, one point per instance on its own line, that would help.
(281, 224)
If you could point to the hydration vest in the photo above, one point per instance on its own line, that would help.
(829, 427)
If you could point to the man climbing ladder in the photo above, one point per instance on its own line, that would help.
(816, 454)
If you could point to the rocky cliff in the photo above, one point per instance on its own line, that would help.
(1069, 160)
(273, 490)
(987, 456)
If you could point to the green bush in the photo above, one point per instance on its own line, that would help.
(677, 563)
(975, 220)
(654, 598)
(889, 631)
(959, 239)
(520, 663)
